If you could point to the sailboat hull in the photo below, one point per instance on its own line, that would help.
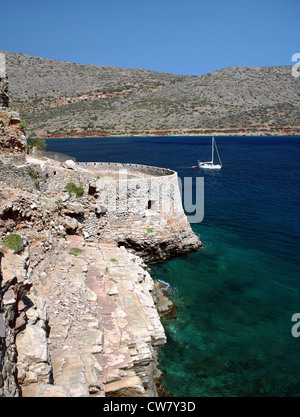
(204, 165)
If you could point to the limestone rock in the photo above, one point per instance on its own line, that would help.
(69, 223)
(126, 387)
(70, 164)
(165, 307)
(32, 347)
(12, 139)
(45, 390)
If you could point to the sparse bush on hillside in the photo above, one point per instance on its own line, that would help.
(75, 251)
(14, 242)
(72, 188)
(23, 124)
(38, 143)
(32, 172)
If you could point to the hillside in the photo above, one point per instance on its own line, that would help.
(61, 98)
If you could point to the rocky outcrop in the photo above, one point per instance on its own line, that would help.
(106, 211)
(160, 245)
(104, 328)
(34, 363)
(12, 138)
(14, 285)
(84, 325)
(165, 307)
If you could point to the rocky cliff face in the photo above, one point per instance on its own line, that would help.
(87, 322)
(14, 285)
(12, 138)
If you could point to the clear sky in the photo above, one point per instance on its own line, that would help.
(178, 36)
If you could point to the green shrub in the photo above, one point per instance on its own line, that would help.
(149, 230)
(36, 182)
(32, 173)
(75, 251)
(113, 260)
(14, 242)
(38, 143)
(72, 188)
(23, 124)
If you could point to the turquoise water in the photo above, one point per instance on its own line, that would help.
(235, 297)
(232, 336)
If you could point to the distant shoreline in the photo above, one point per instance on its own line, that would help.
(238, 134)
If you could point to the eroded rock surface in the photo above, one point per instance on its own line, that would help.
(103, 328)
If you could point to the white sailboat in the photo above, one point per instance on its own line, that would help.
(210, 164)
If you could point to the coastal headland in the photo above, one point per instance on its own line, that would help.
(79, 311)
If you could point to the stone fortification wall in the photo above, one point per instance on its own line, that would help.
(138, 207)
(53, 178)
(144, 193)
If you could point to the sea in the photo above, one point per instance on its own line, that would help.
(237, 297)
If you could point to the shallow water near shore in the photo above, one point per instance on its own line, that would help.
(235, 297)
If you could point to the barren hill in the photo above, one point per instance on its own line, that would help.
(61, 98)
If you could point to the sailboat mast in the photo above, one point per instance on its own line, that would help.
(212, 150)
(218, 154)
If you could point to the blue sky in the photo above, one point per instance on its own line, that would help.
(184, 37)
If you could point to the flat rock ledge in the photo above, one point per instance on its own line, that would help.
(90, 324)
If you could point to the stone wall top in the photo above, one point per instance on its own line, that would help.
(111, 166)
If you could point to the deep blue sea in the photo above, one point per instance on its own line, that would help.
(235, 297)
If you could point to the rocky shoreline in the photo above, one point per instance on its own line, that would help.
(288, 131)
(88, 323)
(79, 325)
(79, 311)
